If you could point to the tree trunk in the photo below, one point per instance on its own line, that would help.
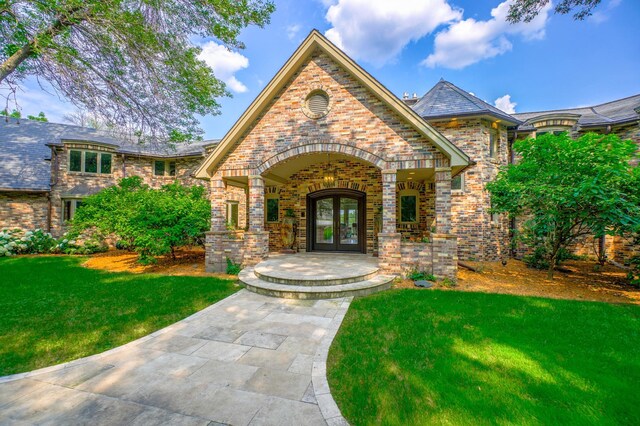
(65, 21)
(15, 60)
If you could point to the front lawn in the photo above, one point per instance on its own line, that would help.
(53, 310)
(441, 357)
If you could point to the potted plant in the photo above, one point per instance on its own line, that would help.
(288, 231)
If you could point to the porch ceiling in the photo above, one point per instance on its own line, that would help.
(285, 169)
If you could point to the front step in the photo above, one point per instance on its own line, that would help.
(289, 291)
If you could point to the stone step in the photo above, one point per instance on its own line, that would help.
(288, 291)
(316, 270)
(321, 280)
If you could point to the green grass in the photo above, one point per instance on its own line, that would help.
(53, 310)
(441, 357)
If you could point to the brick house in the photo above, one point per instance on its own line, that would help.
(46, 169)
(359, 169)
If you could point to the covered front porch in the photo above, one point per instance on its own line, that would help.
(335, 198)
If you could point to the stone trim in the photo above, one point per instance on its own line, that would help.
(320, 146)
(328, 407)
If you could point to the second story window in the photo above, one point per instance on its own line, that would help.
(457, 183)
(89, 162)
(164, 168)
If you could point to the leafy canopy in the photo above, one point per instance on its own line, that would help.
(566, 188)
(131, 61)
(152, 222)
(526, 10)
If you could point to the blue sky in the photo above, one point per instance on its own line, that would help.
(408, 45)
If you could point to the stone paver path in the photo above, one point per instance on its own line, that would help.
(247, 360)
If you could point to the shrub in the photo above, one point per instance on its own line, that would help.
(151, 222)
(233, 268)
(634, 273)
(17, 241)
(416, 275)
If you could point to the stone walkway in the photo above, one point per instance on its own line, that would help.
(247, 360)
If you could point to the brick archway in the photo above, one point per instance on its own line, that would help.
(306, 148)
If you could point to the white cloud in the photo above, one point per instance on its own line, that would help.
(33, 97)
(603, 14)
(293, 30)
(504, 103)
(376, 31)
(225, 63)
(469, 41)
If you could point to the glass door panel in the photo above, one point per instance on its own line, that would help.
(324, 221)
(348, 221)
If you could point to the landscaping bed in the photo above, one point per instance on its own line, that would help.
(445, 357)
(53, 310)
(579, 281)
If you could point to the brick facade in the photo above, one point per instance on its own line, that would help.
(23, 210)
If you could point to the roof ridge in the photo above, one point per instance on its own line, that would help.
(581, 107)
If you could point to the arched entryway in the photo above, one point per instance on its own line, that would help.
(336, 220)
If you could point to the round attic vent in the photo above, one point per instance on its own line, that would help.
(317, 104)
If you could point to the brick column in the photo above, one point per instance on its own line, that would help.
(443, 200)
(389, 240)
(217, 196)
(444, 244)
(389, 209)
(256, 203)
(256, 239)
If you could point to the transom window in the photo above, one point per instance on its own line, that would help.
(89, 161)
(69, 208)
(164, 168)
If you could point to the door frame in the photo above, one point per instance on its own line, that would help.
(361, 247)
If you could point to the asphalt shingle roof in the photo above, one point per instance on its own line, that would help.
(445, 99)
(614, 112)
(25, 157)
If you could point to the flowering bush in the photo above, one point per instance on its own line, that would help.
(17, 241)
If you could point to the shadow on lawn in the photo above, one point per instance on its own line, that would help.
(53, 310)
(411, 357)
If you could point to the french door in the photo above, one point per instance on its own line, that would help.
(336, 220)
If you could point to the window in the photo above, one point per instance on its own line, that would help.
(457, 183)
(232, 213)
(88, 161)
(164, 168)
(408, 208)
(75, 161)
(495, 218)
(69, 208)
(273, 212)
(494, 144)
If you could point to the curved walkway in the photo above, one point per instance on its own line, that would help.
(246, 360)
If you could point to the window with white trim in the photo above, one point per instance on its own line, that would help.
(94, 162)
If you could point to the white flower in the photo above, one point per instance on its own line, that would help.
(65, 241)
(72, 242)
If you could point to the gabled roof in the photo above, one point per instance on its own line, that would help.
(620, 111)
(314, 41)
(446, 100)
(25, 154)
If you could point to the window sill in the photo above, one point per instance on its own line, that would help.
(457, 192)
(89, 174)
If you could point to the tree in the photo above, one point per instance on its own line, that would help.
(17, 114)
(526, 10)
(566, 188)
(151, 222)
(130, 61)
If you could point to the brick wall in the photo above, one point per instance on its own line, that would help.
(478, 237)
(23, 210)
(65, 183)
(356, 117)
